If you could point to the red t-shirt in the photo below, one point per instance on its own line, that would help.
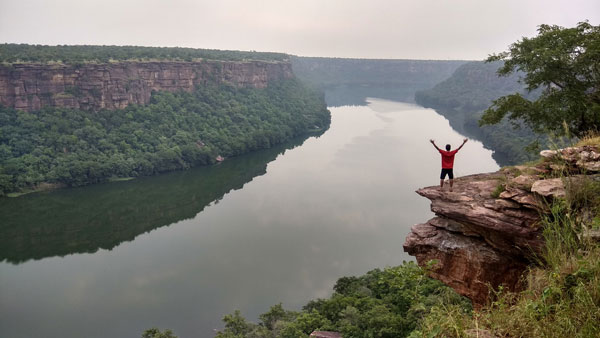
(448, 158)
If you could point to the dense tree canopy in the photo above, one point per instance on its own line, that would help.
(382, 303)
(564, 64)
(15, 53)
(175, 131)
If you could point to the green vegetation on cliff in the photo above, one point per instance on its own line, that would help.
(382, 303)
(175, 131)
(464, 96)
(17, 53)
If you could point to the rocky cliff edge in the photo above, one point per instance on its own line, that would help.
(488, 231)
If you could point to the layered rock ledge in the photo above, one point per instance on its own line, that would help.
(488, 231)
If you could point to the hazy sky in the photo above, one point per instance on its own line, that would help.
(405, 29)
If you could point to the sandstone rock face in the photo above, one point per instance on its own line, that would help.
(466, 263)
(477, 240)
(504, 223)
(116, 85)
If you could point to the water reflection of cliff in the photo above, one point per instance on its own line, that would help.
(102, 216)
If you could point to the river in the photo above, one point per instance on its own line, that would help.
(181, 250)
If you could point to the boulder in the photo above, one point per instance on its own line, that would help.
(523, 181)
(553, 187)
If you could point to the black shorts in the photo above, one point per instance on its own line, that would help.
(447, 171)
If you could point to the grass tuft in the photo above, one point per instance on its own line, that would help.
(499, 189)
(589, 140)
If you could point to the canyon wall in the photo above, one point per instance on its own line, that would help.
(352, 81)
(93, 86)
(326, 72)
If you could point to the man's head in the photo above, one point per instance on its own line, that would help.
(448, 147)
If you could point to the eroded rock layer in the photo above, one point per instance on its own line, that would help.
(487, 231)
(115, 85)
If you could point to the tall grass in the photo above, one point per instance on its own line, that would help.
(592, 139)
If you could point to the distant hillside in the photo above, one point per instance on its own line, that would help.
(350, 81)
(462, 98)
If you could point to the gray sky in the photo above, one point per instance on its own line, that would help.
(402, 29)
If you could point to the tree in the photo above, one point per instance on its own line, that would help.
(563, 64)
(156, 333)
(276, 313)
(236, 326)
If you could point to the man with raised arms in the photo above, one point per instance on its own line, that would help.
(447, 162)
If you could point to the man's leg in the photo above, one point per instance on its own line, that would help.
(451, 181)
(442, 177)
(451, 176)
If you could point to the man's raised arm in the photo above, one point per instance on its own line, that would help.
(464, 141)
(433, 142)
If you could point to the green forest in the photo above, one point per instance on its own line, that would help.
(68, 147)
(382, 303)
(464, 96)
(18, 53)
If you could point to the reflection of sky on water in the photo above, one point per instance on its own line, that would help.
(339, 205)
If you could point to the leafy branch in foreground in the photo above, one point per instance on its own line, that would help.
(563, 63)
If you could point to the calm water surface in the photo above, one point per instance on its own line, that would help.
(181, 250)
